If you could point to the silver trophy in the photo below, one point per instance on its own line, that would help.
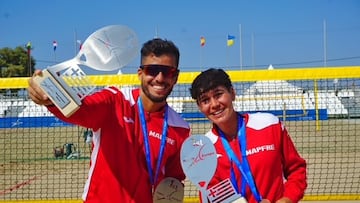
(109, 48)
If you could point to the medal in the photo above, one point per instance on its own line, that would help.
(240, 200)
(169, 190)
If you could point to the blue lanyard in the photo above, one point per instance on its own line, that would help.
(244, 167)
(147, 145)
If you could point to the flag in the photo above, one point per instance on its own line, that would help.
(55, 45)
(202, 41)
(80, 44)
(230, 40)
(28, 47)
(224, 191)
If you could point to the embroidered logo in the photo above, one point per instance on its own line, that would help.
(259, 149)
(159, 136)
(128, 120)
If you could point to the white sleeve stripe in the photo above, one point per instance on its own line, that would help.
(94, 154)
(261, 120)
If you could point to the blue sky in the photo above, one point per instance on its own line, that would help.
(284, 33)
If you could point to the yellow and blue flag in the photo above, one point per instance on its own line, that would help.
(230, 40)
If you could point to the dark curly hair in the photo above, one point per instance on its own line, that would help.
(209, 79)
(160, 47)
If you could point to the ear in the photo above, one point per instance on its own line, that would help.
(139, 72)
(176, 78)
(197, 103)
(200, 108)
(233, 93)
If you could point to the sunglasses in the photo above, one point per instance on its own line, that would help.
(154, 70)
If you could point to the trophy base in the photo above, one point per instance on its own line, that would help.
(58, 92)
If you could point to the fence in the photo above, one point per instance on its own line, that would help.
(45, 159)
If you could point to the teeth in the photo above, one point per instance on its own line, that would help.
(158, 87)
(217, 112)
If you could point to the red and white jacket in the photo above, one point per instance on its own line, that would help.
(276, 166)
(118, 169)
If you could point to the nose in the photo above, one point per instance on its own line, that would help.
(214, 102)
(160, 76)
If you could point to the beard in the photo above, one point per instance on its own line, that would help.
(153, 98)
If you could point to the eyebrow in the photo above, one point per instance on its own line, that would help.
(214, 90)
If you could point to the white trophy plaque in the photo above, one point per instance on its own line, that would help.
(109, 48)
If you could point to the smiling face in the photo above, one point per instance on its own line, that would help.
(217, 105)
(214, 94)
(157, 83)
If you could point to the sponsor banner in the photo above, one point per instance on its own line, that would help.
(32, 122)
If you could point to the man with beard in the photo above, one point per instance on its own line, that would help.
(137, 136)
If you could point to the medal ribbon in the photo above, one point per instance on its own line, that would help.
(147, 144)
(244, 167)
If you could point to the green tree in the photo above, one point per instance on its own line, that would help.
(15, 62)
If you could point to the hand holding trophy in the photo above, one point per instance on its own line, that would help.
(109, 48)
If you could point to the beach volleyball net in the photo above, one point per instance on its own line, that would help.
(46, 159)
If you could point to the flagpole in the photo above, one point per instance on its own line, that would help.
(156, 32)
(227, 51)
(202, 44)
(54, 49)
(240, 42)
(324, 33)
(28, 46)
(325, 47)
(29, 61)
(75, 42)
(252, 50)
(201, 63)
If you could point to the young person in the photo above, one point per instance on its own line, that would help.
(137, 136)
(255, 151)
